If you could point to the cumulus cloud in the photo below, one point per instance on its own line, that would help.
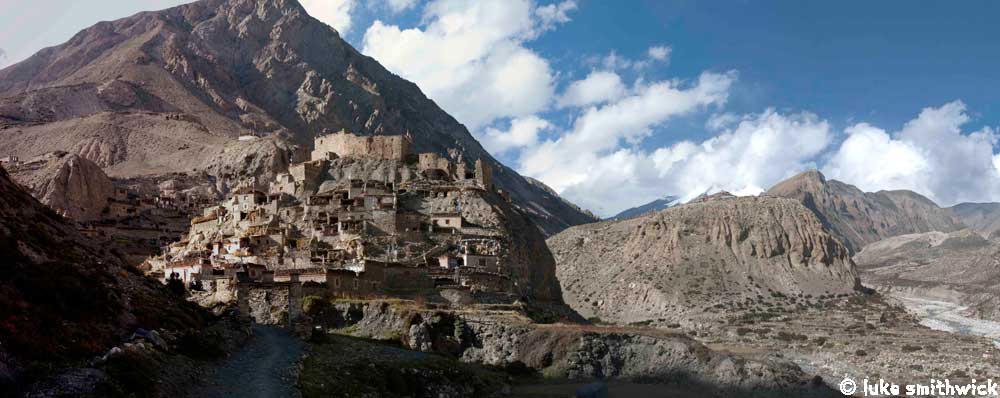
(757, 153)
(588, 163)
(523, 132)
(930, 155)
(598, 87)
(336, 13)
(3, 58)
(471, 57)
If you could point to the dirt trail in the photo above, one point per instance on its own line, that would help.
(264, 368)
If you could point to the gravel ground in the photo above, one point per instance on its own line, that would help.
(264, 368)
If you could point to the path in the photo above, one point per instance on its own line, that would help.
(264, 368)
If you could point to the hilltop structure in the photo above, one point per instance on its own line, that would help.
(362, 217)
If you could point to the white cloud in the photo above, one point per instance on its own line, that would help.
(554, 14)
(471, 58)
(759, 152)
(336, 13)
(659, 53)
(398, 6)
(930, 155)
(598, 87)
(523, 132)
(870, 159)
(588, 164)
(721, 121)
(613, 61)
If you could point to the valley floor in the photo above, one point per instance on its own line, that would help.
(869, 336)
(948, 317)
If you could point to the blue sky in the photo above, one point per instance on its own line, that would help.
(740, 94)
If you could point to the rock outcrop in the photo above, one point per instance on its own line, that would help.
(68, 183)
(169, 91)
(859, 218)
(684, 261)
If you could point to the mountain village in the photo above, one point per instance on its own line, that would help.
(401, 235)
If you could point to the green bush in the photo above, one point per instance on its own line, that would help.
(314, 305)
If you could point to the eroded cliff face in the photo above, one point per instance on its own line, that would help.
(167, 91)
(68, 183)
(858, 218)
(687, 260)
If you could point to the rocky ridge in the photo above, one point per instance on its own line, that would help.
(858, 218)
(983, 218)
(68, 183)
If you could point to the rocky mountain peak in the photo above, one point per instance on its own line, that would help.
(858, 218)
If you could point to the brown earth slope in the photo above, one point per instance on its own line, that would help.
(859, 218)
(692, 259)
(62, 298)
(169, 91)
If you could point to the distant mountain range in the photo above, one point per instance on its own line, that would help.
(651, 207)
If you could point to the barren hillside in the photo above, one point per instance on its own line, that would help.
(691, 259)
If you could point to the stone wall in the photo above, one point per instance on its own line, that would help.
(484, 175)
(307, 174)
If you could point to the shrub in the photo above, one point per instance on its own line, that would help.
(314, 305)
(201, 344)
(176, 286)
(133, 373)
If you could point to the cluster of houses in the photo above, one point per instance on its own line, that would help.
(140, 225)
(392, 236)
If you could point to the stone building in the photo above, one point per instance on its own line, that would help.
(347, 145)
